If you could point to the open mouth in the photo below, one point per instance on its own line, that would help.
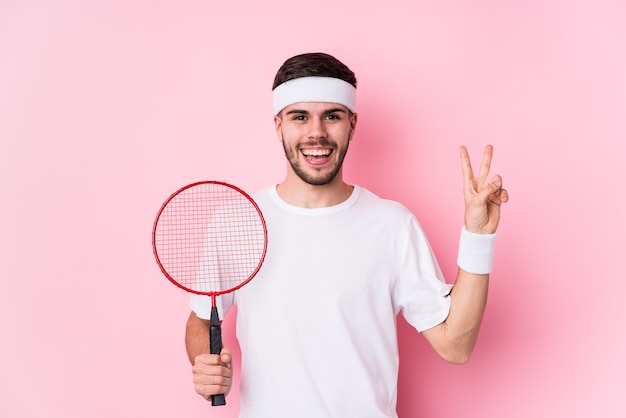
(316, 156)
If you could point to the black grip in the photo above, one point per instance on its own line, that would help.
(216, 348)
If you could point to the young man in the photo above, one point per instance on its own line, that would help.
(317, 325)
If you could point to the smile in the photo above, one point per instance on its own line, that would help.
(325, 152)
(316, 156)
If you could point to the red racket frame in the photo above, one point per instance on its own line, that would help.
(212, 294)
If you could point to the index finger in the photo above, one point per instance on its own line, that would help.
(466, 165)
(208, 359)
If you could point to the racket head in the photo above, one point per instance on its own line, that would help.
(209, 238)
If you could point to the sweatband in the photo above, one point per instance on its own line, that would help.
(476, 252)
(314, 89)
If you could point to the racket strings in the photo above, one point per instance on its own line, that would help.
(210, 238)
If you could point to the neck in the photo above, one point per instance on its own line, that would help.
(299, 193)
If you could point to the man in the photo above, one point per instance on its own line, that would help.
(317, 324)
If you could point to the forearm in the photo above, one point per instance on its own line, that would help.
(197, 340)
(467, 306)
(455, 338)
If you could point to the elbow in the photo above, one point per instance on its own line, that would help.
(458, 355)
(458, 359)
(453, 347)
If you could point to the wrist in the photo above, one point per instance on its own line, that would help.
(476, 252)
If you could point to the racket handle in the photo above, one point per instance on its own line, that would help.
(215, 335)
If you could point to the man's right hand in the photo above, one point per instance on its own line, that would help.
(213, 374)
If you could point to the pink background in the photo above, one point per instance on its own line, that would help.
(107, 107)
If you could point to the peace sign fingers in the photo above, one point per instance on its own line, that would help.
(475, 184)
(482, 198)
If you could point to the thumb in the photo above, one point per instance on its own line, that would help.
(225, 356)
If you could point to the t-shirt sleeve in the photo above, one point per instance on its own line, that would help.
(201, 305)
(422, 294)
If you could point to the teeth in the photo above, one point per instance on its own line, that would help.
(316, 152)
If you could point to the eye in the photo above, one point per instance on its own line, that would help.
(333, 116)
(299, 117)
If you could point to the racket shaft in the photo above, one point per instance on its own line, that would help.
(215, 335)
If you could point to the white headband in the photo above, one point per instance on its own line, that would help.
(314, 89)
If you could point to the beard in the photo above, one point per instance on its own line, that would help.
(316, 178)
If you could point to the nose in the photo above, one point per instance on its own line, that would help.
(317, 129)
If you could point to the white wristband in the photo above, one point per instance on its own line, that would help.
(476, 252)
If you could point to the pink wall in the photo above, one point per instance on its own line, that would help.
(107, 107)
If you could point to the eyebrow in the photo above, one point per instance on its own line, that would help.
(306, 112)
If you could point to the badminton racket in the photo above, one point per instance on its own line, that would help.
(210, 238)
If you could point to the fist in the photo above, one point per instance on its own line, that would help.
(213, 374)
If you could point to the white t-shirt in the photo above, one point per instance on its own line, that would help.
(317, 325)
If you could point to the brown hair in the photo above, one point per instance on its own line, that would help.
(316, 64)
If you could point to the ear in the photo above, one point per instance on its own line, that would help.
(353, 120)
(278, 121)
